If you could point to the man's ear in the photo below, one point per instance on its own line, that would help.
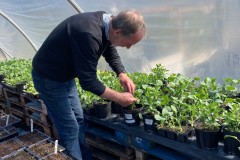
(117, 32)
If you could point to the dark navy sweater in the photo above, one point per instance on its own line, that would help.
(73, 49)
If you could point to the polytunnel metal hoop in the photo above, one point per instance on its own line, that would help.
(19, 29)
(76, 6)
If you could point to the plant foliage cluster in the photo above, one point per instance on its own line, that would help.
(174, 100)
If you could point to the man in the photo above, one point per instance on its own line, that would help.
(72, 50)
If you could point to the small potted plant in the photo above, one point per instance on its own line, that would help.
(150, 116)
(207, 128)
(131, 115)
(102, 108)
(231, 129)
(149, 96)
(117, 108)
(16, 73)
(86, 99)
(230, 88)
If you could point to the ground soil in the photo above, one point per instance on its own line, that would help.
(3, 133)
(9, 146)
(43, 149)
(11, 120)
(22, 155)
(32, 138)
(58, 156)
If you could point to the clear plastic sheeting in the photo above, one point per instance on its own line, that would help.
(34, 20)
(194, 38)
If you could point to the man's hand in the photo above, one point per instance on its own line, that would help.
(124, 99)
(127, 83)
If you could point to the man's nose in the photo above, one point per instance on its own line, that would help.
(128, 46)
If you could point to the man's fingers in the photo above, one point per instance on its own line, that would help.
(134, 100)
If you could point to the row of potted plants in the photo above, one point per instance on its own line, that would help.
(16, 75)
(177, 103)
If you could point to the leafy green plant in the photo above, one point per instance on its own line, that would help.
(209, 115)
(230, 88)
(17, 71)
(164, 117)
(231, 116)
(234, 137)
(109, 79)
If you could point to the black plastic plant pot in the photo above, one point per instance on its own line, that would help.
(162, 132)
(10, 88)
(230, 143)
(138, 105)
(102, 110)
(117, 108)
(183, 137)
(89, 111)
(20, 87)
(1, 90)
(1, 78)
(171, 134)
(221, 136)
(132, 117)
(31, 95)
(207, 139)
(149, 123)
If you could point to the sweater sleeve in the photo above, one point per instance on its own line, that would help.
(113, 59)
(85, 53)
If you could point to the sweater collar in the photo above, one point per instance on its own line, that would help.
(106, 19)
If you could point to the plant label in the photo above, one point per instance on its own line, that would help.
(130, 121)
(7, 120)
(128, 116)
(148, 121)
(31, 121)
(55, 146)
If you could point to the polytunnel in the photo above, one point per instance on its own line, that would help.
(195, 38)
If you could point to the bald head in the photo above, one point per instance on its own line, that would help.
(129, 22)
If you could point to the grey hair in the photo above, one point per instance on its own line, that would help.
(129, 22)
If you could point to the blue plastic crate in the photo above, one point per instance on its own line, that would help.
(122, 138)
(142, 143)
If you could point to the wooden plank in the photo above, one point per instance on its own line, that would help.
(111, 147)
(12, 96)
(139, 155)
(144, 156)
(24, 99)
(46, 129)
(102, 155)
(37, 106)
